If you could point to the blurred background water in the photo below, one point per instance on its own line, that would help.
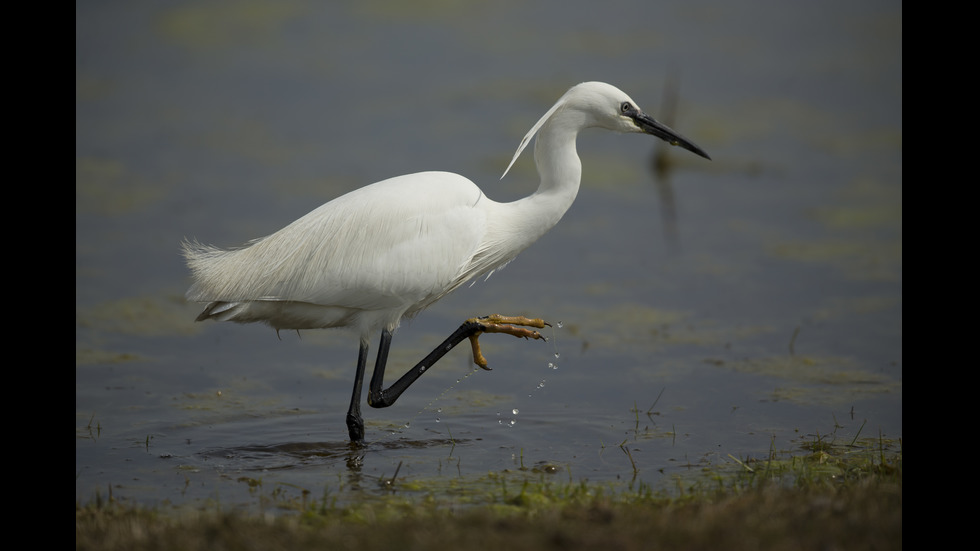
(707, 310)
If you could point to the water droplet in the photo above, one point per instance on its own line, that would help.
(407, 424)
(560, 324)
(557, 355)
(516, 411)
(512, 422)
(437, 419)
(541, 384)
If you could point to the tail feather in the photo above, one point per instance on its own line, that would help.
(220, 311)
(210, 268)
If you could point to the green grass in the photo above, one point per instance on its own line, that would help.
(828, 494)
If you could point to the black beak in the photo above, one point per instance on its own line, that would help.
(649, 125)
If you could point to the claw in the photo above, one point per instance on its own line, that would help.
(478, 358)
(497, 319)
(503, 324)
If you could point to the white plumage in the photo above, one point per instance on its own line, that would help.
(388, 250)
(354, 261)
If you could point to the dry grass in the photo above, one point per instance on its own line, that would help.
(865, 515)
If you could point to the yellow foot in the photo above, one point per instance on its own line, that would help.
(503, 324)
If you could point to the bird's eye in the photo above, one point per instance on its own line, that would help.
(626, 107)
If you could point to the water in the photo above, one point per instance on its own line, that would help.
(704, 312)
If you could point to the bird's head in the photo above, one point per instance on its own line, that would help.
(609, 107)
(597, 104)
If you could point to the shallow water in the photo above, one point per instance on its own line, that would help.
(705, 313)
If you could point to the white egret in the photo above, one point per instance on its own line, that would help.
(386, 251)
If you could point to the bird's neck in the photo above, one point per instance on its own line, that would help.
(519, 224)
(559, 168)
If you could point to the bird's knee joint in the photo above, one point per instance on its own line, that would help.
(378, 399)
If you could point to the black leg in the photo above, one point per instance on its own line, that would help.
(378, 398)
(470, 329)
(355, 424)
